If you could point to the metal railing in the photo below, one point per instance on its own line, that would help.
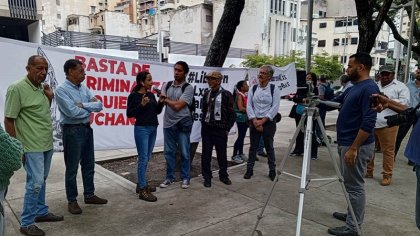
(23, 9)
(202, 50)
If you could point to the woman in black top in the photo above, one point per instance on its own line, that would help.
(142, 105)
(300, 95)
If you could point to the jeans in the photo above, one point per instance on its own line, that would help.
(418, 197)
(145, 137)
(260, 148)
(238, 147)
(78, 149)
(214, 137)
(354, 181)
(269, 129)
(37, 166)
(3, 192)
(175, 139)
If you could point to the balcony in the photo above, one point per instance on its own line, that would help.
(23, 9)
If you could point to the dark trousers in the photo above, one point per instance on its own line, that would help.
(402, 132)
(238, 147)
(214, 137)
(78, 148)
(269, 129)
(299, 146)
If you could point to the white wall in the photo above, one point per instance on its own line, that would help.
(119, 24)
(185, 27)
(34, 32)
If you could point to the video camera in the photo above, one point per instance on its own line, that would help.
(311, 100)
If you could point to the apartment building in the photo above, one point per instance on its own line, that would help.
(20, 20)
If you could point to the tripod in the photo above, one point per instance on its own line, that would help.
(310, 114)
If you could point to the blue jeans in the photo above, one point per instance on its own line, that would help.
(418, 197)
(3, 192)
(145, 137)
(354, 181)
(78, 148)
(238, 147)
(174, 138)
(37, 166)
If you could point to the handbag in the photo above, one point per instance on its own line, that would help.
(240, 116)
(300, 109)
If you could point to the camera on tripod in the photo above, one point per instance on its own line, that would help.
(408, 116)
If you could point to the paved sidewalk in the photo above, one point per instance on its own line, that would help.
(225, 210)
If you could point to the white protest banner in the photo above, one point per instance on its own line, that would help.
(284, 78)
(111, 79)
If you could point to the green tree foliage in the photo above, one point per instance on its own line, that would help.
(323, 64)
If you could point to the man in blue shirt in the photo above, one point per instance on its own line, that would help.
(355, 126)
(263, 105)
(75, 102)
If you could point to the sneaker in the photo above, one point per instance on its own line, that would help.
(237, 159)
(386, 181)
(243, 157)
(146, 195)
(340, 216)
(185, 184)
(96, 200)
(50, 217)
(74, 208)
(314, 158)
(166, 183)
(32, 230)
(342, 231)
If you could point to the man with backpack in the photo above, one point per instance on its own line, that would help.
(262, 108)
(177, 124)
(325, 92)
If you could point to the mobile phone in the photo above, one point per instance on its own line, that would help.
(158, 91)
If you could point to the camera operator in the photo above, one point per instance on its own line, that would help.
(412, 150)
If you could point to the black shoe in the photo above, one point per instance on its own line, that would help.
(296, 153)
(248, 174)
(226, 181)
(32, 230)
(50, 217)
(263, 154)
(340, 216)
(272, 174)
(207, 183)
(342, 231)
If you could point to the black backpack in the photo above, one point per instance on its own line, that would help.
(277, 118)
(191, 106)
(329, 92)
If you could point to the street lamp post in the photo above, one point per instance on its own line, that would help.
(309, 36)
(410, 41)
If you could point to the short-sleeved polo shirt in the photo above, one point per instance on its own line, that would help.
(175, 93)
(30, 108)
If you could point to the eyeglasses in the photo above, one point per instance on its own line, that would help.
(263, 73)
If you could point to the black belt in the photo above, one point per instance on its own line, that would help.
(76, 125)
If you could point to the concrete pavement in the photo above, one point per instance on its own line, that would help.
(225, 210)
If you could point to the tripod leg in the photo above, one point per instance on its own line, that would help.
(305, 169)
(283, 162)
(340, 177)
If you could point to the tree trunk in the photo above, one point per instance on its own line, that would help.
(220, 45)
(369, 26)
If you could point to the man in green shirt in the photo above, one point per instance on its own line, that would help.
(28, 118)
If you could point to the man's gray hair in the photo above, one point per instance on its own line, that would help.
(269, 69)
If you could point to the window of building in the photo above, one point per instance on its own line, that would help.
(58, 16)
(381, 61)
(323, 25)
(272, 6)
(343, 59)
(145, 21)
(344, 41)
(43, 22)
(295, 10)
(354, 41)
(283, 7)
(321, 43)
(102, 18)
(209, 18)
(339, 23)
(92, 9)
(293, 34)
(336, 42)
(57, 2)
(383, 45)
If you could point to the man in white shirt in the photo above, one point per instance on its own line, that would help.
(398, 92)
